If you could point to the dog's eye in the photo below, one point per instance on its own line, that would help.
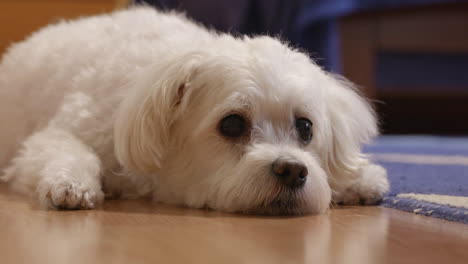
(304, 129)
(233, 126)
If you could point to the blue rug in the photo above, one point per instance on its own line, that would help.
(428, 175)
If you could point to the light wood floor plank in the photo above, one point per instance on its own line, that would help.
(144, 232)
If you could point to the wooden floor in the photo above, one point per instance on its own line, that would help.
(142, 232)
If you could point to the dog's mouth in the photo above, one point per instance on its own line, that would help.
(286, 202)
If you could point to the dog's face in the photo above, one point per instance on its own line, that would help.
(250, 127)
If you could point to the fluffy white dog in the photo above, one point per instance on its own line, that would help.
(143, 103)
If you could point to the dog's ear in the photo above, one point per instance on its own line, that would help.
(352, 123)
(145, 116)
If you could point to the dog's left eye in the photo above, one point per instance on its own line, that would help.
(233, 126)
(304, 129)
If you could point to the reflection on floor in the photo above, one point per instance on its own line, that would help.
(143, 232)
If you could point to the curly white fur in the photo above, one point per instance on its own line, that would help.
(128, 103)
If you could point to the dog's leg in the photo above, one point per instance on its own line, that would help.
(366, 187)
(59, 168)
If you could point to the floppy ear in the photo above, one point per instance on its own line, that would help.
(352, 123)
(144, 118)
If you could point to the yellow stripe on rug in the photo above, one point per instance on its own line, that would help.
(421, 159)
(457, 201)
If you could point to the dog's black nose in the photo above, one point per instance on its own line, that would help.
(291, 173)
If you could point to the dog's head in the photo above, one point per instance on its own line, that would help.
(250, 126)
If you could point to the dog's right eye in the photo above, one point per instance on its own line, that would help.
(233, 126)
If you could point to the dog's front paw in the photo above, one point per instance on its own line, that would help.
(69, 194)
(368, 189)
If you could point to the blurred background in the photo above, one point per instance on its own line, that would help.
(409, 56)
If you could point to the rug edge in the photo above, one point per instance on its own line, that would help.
(429, 209)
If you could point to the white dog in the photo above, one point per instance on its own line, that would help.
(143, 103)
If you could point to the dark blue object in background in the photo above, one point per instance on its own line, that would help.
(421, 72)
(309, 24)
